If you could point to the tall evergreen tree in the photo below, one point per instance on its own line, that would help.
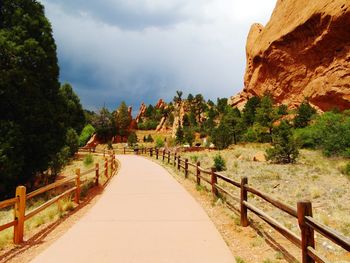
(266, 114)
(74, 112)
(304, 115)
(122, 119)
(32, 120)
(249, 110)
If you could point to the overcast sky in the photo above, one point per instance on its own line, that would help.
(143, 50)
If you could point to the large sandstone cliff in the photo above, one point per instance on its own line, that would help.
(303, 52)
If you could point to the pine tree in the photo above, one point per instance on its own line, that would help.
(249, 110)
(266, 114)
(285, 149)
(122, 120)
(304, 115)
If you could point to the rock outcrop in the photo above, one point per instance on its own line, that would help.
(303, 52)
(141, 112)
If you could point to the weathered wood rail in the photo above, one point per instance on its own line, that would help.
(303, 211)
(74, 184)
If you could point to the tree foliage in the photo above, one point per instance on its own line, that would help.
(33, 126)
(104, 125)
(122, 120)
(304, 115)
(74, 113)
(285, 148)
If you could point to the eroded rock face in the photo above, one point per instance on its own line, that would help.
(303, 52)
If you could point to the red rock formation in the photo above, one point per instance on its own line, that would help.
(303, 52)
(142, 111)
(160, 104)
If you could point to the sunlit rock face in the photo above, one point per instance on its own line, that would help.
(303, 52)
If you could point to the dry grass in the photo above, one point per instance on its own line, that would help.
(313, 177)
(55, 211)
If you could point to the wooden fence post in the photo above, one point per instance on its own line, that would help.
(186, 168)
(175, 155)
(168, 156)
(198, 173)
(304, 209)
(20, 208)
(77, 184)
(163, 155)
(97, 173)
(157, 153)
(111, 165)
(124, 150)
(244, 197)
(178, 162)
(214, 180)
(151, 152)
(106, 167)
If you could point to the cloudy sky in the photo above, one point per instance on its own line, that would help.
(143, 50)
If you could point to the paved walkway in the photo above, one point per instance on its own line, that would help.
(143, 216)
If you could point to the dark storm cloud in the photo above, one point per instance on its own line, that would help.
(134, 15)
(143, 50)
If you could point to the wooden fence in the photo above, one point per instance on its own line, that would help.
(303, 211)
(74, 183)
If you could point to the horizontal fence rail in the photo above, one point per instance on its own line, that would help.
(307, 224)
(75, 182)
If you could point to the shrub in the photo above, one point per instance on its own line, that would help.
(221, 136)
(86, 134)
(219, 163)
(88, 159)
(72, 141)
(150, 138)
(132, 139)
(330, 133)
(346, 169)
(159, 142)
(285, 149)
(194, 158)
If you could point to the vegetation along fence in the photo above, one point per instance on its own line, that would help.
(303, 213)
(74, 184)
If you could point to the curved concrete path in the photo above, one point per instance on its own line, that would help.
(143, 216)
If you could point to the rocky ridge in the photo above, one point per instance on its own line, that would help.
(302, 53)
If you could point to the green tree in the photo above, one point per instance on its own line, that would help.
(149, 138)
(122, 120)
(266, 114)
(132, 139)
(304, 115)
(72, 141)
(179, 135)
(249, 110)
(178, 97)
(190, 98)
(219, 163)
(104, 125)
(285, 149)
(222, 104)
(74, 112)
(282, 110)
(234, 122)
(32, 111)
(186, 120)
(189, 136)
(220, 136)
